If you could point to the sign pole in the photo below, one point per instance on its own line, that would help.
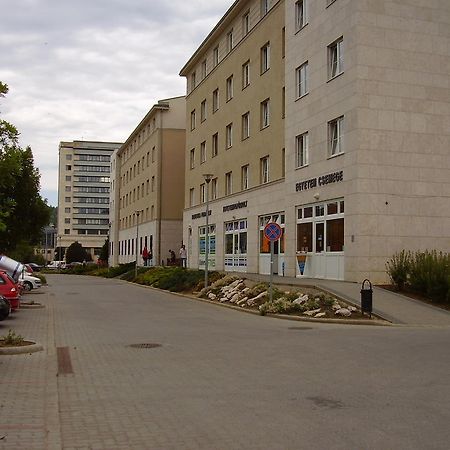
(271, 271)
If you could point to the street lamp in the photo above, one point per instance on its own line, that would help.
(208, 177)
(59, 253)
(138, 212)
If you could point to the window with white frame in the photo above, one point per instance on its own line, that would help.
(228, 183)
(246, 23)
(246, 125)
(193, 119)
(191, 198)
(265, 57)
(215, 56)
(264, 243)
(335, 136)
(229, 88)
(230, 41)
(245, 74)
(193, 80)
(215, 100)
(301, 18)
(229, 136)
(192, 158)
(153, 183)
(202, 193)
(264, 7)
(214, 192)
(301, 150)
(245, 177)
(203, 69)
(203, 110)
(215, 144)
(265, 113)
(202, 152)
(264, 162)
(301, 75)
(336, 58)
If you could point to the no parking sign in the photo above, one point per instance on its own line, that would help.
(272, 231)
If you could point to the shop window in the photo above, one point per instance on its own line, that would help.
(332, 208)
(335, 235)
(304, 237)
(308, 212)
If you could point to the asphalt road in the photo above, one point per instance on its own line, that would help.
(223, 379)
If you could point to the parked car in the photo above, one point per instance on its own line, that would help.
(29, 282)
(55, 265)
(5, 308)
(10, 290)
(34, 267)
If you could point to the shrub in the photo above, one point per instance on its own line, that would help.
(398, 268)
(12, 338)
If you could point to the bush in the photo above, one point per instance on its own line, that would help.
(398, 268)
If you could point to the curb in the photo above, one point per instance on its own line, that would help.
(31, 306)
(21, 349)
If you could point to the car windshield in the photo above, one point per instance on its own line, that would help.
(10, 278)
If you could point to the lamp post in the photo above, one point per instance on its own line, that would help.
(138, 212)
(208, 177)
(59, 253)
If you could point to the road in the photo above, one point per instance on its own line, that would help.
(219, 379)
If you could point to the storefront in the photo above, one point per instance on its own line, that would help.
(264, 245)
(320, 240)
(235, 258)
(211, 246)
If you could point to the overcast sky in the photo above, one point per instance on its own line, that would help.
(91, 69)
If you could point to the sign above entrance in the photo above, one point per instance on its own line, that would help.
(234, 206)
(272, 231)
(334, 177)
(202, 214)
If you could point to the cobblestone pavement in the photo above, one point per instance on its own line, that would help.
(220, 379)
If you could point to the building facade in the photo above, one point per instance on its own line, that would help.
(328, 117)
(83, 194)
(147, 186)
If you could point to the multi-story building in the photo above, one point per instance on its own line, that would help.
(147, 186)
(358, 95)
(83, 194)
(235, 110)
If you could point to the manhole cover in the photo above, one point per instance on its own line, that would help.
(300, 328)
(145, 345)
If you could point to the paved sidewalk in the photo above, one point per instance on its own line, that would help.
(394, 307)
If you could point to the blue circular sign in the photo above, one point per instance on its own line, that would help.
(272, 231)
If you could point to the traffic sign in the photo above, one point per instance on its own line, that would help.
(272, 231)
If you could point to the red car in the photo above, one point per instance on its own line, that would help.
(9, 290)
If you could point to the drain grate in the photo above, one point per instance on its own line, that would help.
(145, 345)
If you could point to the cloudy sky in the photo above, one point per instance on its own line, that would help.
(91, 69)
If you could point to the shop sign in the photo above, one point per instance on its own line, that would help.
(334, 177)
(234, 206)
(202, 214)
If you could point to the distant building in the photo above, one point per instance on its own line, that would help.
(147, 186)
(83, 194)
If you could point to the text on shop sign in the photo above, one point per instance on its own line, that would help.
(329, 178)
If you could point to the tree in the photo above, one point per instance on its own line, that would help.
(104, 252)
(75, 253)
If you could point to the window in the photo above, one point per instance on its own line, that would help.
(191, 198)
(193, 120)
(193, 81)
(153, 184)
(67, 220)
(66, 231)
(335, 136)
(153, 154)
(245, 74)
(300, 14)
(192, 158)
(283, 42)
(202, 193)
(215, 100)
(244, 177)
(301, 150)
(265, 58)
(215, 56)
(214, 192)
(204, 68)
(203, 111)
(264, 7)
(265, 114)
(335, 58)
(215, 144)
(246, 125)
(301, 75)
(230, 41)
(68, 167)
(246, 23)
(229, 88)
(67, 210)
(229, 136)
(68, 178)
(264, 169)
(68, 188)
(228, 183)
(67, 199)
(283, 102)
(203, 152)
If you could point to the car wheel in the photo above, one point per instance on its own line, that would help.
(27, 286)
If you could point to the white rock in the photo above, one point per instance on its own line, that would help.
(336, 306)
(322, 314)
(212, 296)
(312, 312)
(263, 294)
(343, 312)
(352, 308)
(245, 290)
(242, 301)
(235, 283)
(223, 299)
(301, 299)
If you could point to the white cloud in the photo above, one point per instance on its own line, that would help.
(83, 69)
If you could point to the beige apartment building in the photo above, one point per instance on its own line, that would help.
(83, 194)
(147, 186)
(329, 117)
(235, 115)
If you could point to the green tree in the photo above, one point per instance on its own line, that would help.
(104, 252)
(75, 253)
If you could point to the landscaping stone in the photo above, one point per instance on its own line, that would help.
(343, 312)
(322, 314)
(312, 312)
